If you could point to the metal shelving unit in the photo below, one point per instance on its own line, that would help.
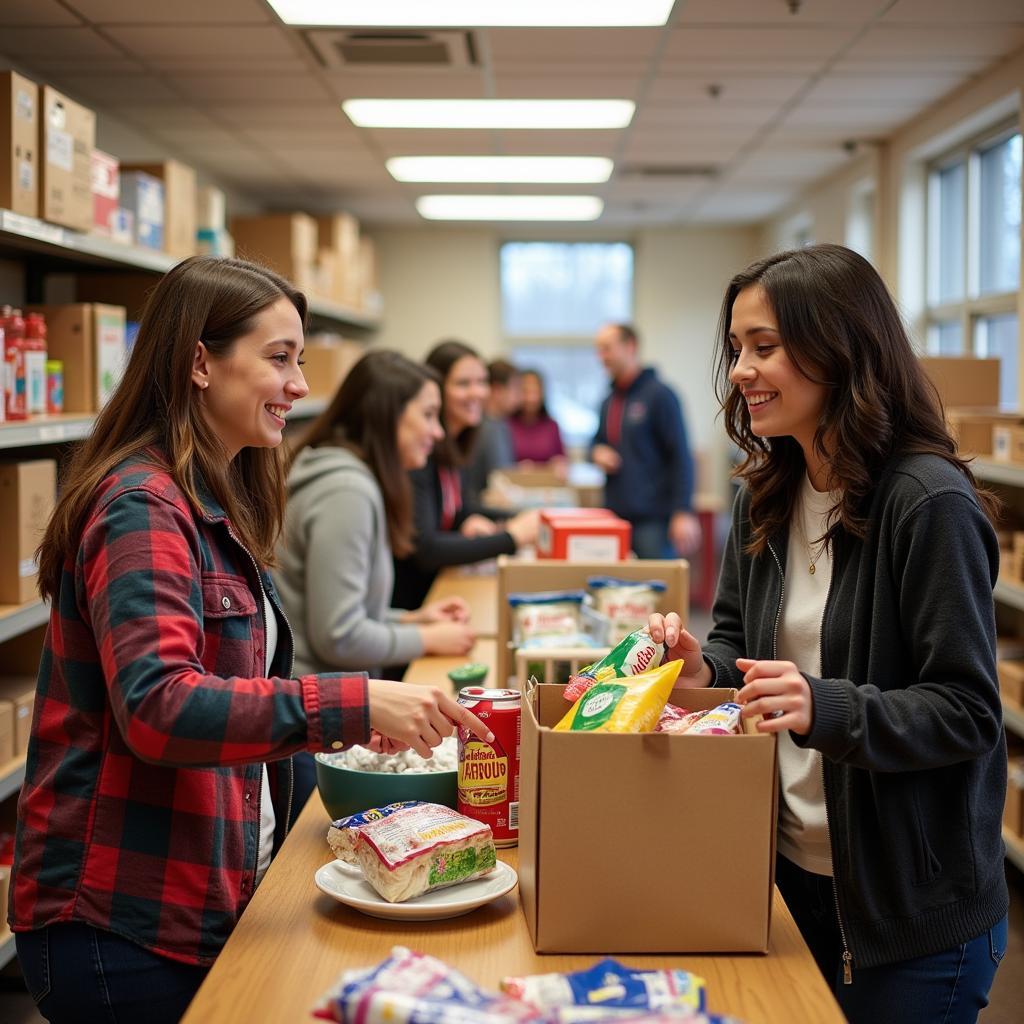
(45, 430)
(993, 472)
(8, 951)
(16, 619)
(1014, 848)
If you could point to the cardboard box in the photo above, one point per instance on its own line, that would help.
(6, 732)
(19, 144)
(142, 196)
(27, 494)
(519, 577)
(179, 182)
(285, 242)
(211, 209)
(327, 364)
(369, 284)
(106, 192)
(1008, 442)
(89, 338)
(583, 535)
(19, 692)
(617, 867)
(338, 233)
(1013, 812)
(973, 428)
(1011, 681)
(67, 137)
(964, 380)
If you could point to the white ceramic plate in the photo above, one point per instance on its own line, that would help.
(345, 883)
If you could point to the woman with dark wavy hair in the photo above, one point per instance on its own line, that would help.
(854, 615)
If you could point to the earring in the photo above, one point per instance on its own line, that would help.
(205, 384)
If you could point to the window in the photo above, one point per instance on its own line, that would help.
(974, 225)
(565, 289)
(554, 297)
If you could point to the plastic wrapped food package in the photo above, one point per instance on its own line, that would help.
(632, 655)
(341, 836)
(631, 704)
(627, 604)
(723, 720)
(420, 848)
(554, 613)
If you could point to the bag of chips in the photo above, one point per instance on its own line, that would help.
(632, 655)
(631, 704)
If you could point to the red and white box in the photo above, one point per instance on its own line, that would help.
(106, 191)
(583, 535)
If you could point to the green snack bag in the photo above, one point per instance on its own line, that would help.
(634, 654)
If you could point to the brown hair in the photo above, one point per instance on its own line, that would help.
(203, 299)
(452, 451)
(363, 417)
(501, 372)
(841, 329)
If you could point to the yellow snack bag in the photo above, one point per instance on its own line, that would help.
(631, 704)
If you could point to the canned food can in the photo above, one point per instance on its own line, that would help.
(488, 786)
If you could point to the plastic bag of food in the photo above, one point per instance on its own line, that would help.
(341, 836)
(630, 704)
(609, 985)
(723, 720)
(632, 655)
(627, 604)
(548, 613)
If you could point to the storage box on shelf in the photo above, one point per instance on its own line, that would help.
(572, 865)
(67, 136)
(179, 204)
(515, 576)
(964, 380)
(27, 494)
(19, 144)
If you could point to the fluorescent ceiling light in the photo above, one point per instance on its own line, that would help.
(509, 207)
(541, 114)
(474, 13)
(546, 169)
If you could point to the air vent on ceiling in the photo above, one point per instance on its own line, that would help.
(339, 49)
(666, 172)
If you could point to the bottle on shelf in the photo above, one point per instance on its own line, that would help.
(35, 364)
(14, 358)
(54, 386)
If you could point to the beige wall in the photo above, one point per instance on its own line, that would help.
(442, 281)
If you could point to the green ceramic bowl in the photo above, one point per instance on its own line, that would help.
(346, 791)
(472, 673)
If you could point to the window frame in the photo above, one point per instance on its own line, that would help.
(974, 307)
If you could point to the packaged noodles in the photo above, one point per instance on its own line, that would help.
(630, 704)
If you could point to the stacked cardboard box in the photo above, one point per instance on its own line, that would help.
(583, 535)
(19, 144)
(142, 201)
(27, 495)
(89, 338)
(328, 358)
(285, 242)
(67, 137)
(106, 193)
(179, 186)
(338, 258)
(1013, 812)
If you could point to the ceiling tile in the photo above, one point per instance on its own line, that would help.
(687, 42)
(682, 115)
(662, 149)
(738, 206)
(131, 12)
(760, 90)
(934, 43)
(567, 45)
(305, 137)
(879, 90)
(790, 165)
(269, 113)
(110, 90)
(577, 143)
(437, 83)
(252, 87)
(521, 84)
(941, 12)
(816, 12)
(78, 43)
(34, 12)
(428, 142)
(194, 42)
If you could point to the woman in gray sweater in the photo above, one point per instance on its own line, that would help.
(349, 507)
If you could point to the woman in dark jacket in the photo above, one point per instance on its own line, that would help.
(855, 613)
(448, 531)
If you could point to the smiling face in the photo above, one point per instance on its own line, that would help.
(465, 392)
(247, 394)
(419, 427)
(780, 400)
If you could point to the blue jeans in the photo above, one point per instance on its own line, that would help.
(82, 975)
(650, 539)
(950, 987)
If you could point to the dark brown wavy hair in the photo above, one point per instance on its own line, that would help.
(452, 451)
(363, 417)
(155, 409)
(841, 329)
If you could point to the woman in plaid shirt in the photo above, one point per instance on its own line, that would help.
(159, 774)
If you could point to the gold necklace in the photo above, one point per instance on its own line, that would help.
(814, 558)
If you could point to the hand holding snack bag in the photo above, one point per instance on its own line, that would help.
(634, 654)
(680, 646)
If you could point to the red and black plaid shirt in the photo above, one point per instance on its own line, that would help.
(140, 812)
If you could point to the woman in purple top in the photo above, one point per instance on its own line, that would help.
(535, 435)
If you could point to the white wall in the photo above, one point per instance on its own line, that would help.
(443, 282)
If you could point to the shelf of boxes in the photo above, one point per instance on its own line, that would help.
(39, 430)
(16, 619)
(66, 248)
(993, 472)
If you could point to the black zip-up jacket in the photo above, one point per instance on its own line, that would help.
(907, 716)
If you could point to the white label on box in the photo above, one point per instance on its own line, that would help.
(109, 355)
(25, 176)
(60, 149)
(27, 567)
(24, 105)
(592, 547)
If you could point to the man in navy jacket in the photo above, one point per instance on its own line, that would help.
(642, 447)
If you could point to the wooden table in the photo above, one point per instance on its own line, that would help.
(433, 670)
(293, 942)
(477, 590)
